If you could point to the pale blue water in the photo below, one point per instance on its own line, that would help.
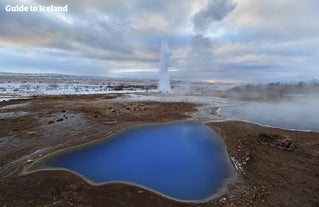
(298, 115)
(184, 160)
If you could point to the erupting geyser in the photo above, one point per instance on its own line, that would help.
(164, 85)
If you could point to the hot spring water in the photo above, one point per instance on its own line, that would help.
(183, 160)
(297, 115)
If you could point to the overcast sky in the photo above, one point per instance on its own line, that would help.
(223, 40)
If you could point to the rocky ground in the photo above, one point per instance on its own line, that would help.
(275, 167)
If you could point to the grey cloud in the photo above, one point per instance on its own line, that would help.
(93, 40)
(126, 34)
(50, 61)
(287, 20)
(103, 26)
(25, 25)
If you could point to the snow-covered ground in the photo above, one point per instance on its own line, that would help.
(24, 85)
(30, 89)
(208, 106)
(300, 113)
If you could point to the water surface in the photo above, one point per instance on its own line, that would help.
(301, 114)
(182, 160)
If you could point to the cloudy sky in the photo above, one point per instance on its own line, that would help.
(223, 40)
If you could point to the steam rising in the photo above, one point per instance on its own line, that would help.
(201, 56)
(290, 106)
(164, 85)
(215, 11)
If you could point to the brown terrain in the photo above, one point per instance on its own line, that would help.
(275, 167)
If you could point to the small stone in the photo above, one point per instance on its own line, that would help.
(61, 119)
(31, 133)
(110, 122)
(222, 200)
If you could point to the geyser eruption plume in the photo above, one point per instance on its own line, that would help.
(164, 85)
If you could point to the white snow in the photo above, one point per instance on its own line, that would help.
(209, 106)
(31, 89)
(13, 106)
(4, 115)
(206, 104)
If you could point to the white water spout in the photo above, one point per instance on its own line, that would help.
(164, 85)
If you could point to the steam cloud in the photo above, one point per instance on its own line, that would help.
(300, 113)
(201, 55)
(215, 11)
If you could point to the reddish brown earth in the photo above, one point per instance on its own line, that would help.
(282, 170)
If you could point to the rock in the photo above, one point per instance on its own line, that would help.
(265, 139)
(31, 133)
(110, 122)
(60, 119)
(275, 141)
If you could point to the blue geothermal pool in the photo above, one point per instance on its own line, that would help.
(183, 160)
